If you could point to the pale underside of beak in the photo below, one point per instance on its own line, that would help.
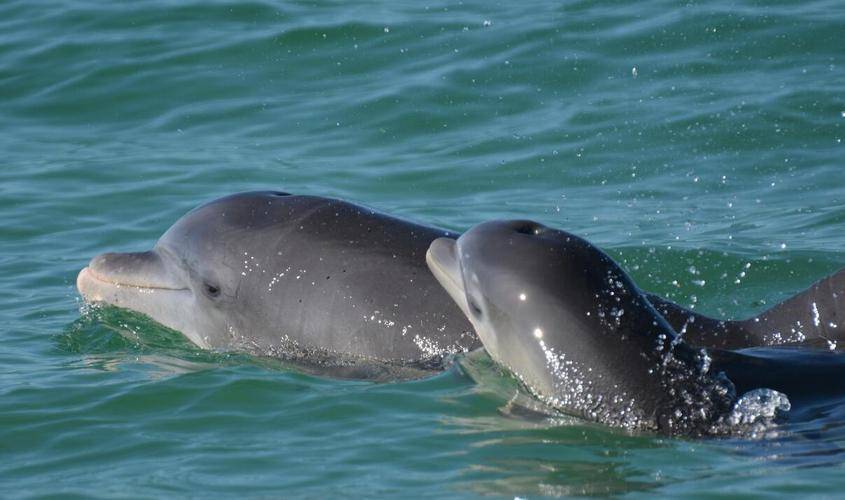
(442, 260)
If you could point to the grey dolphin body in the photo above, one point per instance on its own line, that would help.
(568, 321)
(284, 275)
(816, 314)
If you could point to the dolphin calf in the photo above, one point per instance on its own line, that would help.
(290, 276)
(572, 326)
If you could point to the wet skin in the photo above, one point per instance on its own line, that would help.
(568, 321)
(280, 274)
(306, 276)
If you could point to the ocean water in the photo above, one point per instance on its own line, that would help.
(699, 143)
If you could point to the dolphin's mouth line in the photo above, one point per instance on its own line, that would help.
(93, 275)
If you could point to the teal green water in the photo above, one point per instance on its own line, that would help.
(701, 144)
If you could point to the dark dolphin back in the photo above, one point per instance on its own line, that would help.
(804, 374)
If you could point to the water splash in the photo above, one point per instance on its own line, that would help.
(759, 406)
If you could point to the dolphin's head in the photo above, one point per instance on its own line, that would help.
(197, 278)
(507, 278)
(568, 321)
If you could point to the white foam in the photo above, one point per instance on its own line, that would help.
(759, 406)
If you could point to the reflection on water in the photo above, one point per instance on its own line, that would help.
(559, 478)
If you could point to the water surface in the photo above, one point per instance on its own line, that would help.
(698, 143)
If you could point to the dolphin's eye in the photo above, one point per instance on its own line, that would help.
(211, 290)
(474, 308)
(527, 227)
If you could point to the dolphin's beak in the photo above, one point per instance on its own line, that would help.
(138, 270)
(442, 259)
(141, 282)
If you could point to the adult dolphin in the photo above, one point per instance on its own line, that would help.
(570, 323)
(291, 276)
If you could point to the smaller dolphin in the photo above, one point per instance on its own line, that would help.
(572, 326)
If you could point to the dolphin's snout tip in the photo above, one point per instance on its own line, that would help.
(441, 250)
(80, 278)
(84, 284)
(442, 260)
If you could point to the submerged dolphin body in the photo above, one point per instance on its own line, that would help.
(570, 323)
